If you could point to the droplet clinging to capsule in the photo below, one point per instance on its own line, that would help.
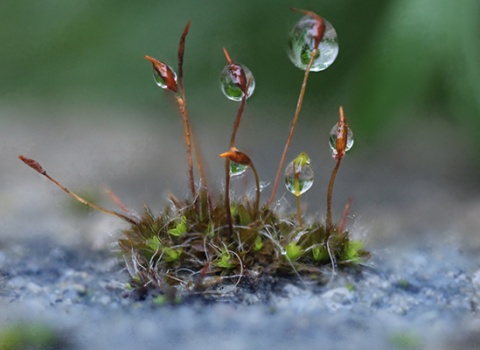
(237, 169)
(160, 81)
(341, 137)
(229, 85)
(239, 161)
(302, 40)
(299, 175)
(163, 75)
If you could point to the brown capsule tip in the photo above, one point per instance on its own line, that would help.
(227, 56)
(342, 115)
(226, 155)
(187, 27)
(32, 164)
(231, 153)
(151, 59)
(319, 29)
(305, 12)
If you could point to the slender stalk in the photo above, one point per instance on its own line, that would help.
(227, 196)
(227, 162)
(189, 139)
(296, 182)
(299, 212)
(293, 126)
(37, 167)
(343, 222)
(328, 224)
(181, 54)
(198, 159)
(257, 199)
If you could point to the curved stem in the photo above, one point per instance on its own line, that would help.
(37, 167)
(293, 126)
(328, 224)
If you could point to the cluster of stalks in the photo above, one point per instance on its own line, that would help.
(199, 242)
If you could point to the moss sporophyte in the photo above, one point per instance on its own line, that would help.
(204, 240)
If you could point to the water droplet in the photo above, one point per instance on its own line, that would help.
(237, 169)
(299, 175)
(301, 44)
(333, 140)
(160, 81)
(229, 86)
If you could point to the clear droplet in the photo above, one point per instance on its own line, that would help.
(230, 89)
(333, 140)
(299, 175)
(159, 79)
(237, 169)
(301, 44)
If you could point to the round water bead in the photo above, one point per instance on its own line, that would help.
(237, 169)
(160, 81)
(299, 175)
(301, 44)
(332, 140)
(230, 89)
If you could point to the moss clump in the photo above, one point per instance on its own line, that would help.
(205, 253)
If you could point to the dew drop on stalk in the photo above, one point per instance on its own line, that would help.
(332, 140)
(160, 81)
(299, 175)
(229, 86)
(301, 44)
(237, 169)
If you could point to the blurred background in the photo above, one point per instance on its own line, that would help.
(77, 95)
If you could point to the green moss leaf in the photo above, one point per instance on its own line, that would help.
(258, 244)
(352, 251)
(180, 227)
(294, 251)
(224, 260)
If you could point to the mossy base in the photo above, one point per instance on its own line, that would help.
(188, 248)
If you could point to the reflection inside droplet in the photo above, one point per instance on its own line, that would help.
(299, 175)
(332, 140)
(301, 44)
(231, 89)
(159, 79)
(237, 169)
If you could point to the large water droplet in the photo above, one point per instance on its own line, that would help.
(301, 44)
(159, 79)
(332, 140)
(237, 169)
(299, 175)
(231, 89)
